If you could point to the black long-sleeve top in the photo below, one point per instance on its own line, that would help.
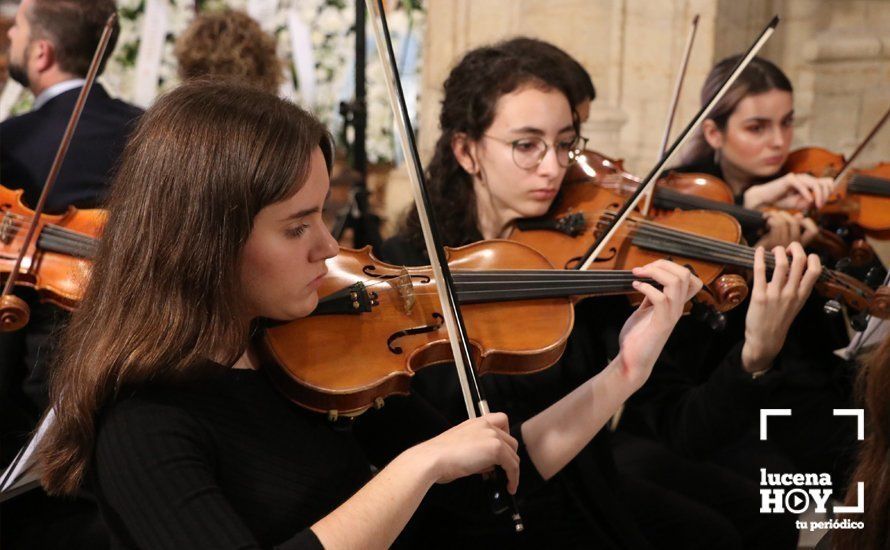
(699, 398)
(229, 462)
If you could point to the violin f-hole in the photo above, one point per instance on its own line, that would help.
(438, 321)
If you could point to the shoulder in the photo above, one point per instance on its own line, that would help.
(110, 106)
(147, 419)
(143, 437)
(15, 123)
(127, 110)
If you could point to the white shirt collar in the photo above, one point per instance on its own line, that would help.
(56, 90)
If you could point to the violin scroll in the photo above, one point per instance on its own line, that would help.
(14, 313)
(729, 290)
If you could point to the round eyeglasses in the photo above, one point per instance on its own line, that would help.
(529, 152)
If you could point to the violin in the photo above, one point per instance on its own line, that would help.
(22, 226)
(861, 198)
(706, 242)
(517, 308)
(690, 191)
(57, 263)
(572, 227)
(816, 161)
(677, 190)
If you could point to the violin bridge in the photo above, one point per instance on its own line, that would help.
(7, 230)
(405, 287)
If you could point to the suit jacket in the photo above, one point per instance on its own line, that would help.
(28, 145)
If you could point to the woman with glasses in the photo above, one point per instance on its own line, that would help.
(171, 419)
(508, 135)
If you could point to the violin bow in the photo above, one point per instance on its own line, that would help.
(672, 111)
(603, 240)
(474, 397)
(842, 172)
(14, 312)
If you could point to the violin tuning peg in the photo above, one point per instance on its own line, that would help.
(859, 322)
(717, 321)
(832, 307)
(843, 265)
(875, 276)
(707, 314)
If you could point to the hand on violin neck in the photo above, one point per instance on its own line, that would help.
(472, 447)
(775, 303)
(645, 332)
(784, 228)
(791, 191)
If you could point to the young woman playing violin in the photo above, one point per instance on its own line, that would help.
(170, 420)
(776, 351)
(507, 138)
(162, 409)
(745, 142)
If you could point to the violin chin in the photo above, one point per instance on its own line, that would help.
(14, 313)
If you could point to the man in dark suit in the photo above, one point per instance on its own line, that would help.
(52, 43)
(50, 56)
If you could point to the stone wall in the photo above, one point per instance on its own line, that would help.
(837, 53)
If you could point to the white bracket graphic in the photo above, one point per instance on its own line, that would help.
(860, 502)
(860, 420)
(766, 413)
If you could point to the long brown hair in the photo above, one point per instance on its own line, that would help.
(164, 292)
(873, 465)
(760, 76)
(472, 91)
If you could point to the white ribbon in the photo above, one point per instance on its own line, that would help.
(151, 49)
(303, 56)
(12, 92)
(263, 11)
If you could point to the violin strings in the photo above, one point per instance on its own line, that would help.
(743, 253)
(29, 219)
(62, 237)
(60, 232)
(732, 252)
(670, 197)
(861, 183)
(529, 284)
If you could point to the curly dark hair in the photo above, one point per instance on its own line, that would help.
(229, 43)
(472, 91)
(576, 75)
